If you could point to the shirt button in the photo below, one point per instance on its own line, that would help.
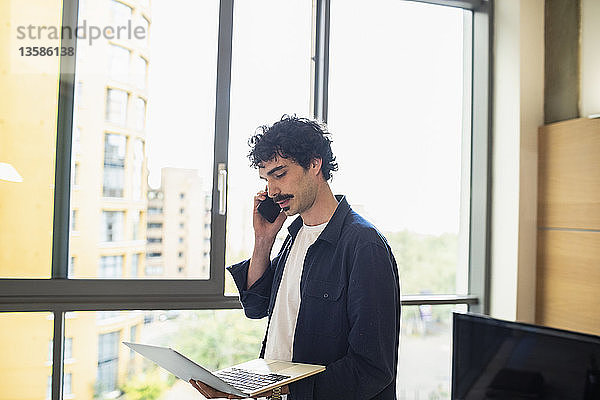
(326, 295)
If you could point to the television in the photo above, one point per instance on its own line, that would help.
(501, 360)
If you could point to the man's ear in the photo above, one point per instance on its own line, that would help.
(315, 165)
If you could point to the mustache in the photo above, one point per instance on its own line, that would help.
(282, 197)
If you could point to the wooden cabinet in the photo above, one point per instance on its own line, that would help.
(568, 261)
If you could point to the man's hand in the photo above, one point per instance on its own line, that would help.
(211, 393)
(264, 238)
(265, 231)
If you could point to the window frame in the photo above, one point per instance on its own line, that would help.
(60, 294)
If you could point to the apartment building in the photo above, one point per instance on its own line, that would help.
(178, 226)
(108, 211)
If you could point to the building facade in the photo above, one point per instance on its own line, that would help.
(178, 229)
(108, 215)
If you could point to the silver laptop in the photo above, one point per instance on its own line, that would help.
(245, 380)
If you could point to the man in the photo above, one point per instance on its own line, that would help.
(332, 294)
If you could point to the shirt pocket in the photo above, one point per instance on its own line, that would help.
(324, 308)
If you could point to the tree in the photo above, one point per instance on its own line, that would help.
(147, 386)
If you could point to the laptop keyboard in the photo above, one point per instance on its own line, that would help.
(248, 381)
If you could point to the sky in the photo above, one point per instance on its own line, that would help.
(395, 100)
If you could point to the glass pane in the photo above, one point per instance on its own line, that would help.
(139, 71)
(425, 357)
(396, 117)
(119, 13)
(144, 119)
(26, 362)
(270, 77)
(119, 63)
(28, 111)
(101, 366)
(116, 106)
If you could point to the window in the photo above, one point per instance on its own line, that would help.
(68, 348)
(71, 267)
(79, 94)
(424, 210)
(135, 225)
(120, 14)
(135, 263)
(112, 226)
(104, 315)
(108, 362)
(180, 254)
(74, 220)
(189, 125)
(116, 106)
(140, 66)
(154, 240)
(119, 63)
(425, 223)
(174, 328)
(132, 338)
(155, 270)
(77, 141)
(115, 148)
(67, 389)
(182, 196)
(155, 194)
(111, 267)
(75, 181)
(138, 169)
(181, 210)
(181, 225)
(49, 387)
(114, 178)
(270, 74)
(139, 117)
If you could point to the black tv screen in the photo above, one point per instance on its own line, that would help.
(501, 360)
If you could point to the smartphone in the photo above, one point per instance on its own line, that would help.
(269, 209)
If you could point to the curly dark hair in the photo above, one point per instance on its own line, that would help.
(300, 139)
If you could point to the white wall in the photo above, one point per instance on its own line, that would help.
(518, 112)
(590, 57)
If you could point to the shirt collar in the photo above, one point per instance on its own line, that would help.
(332, 231)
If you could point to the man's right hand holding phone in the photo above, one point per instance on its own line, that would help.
(263, 229)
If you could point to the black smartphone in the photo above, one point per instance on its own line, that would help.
(269, 209)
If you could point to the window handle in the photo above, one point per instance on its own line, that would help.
(222, 188)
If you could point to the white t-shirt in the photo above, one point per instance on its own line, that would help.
(280, 338)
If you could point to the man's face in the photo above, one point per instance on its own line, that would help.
(291, 186)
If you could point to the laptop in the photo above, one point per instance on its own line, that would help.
(247, 379)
